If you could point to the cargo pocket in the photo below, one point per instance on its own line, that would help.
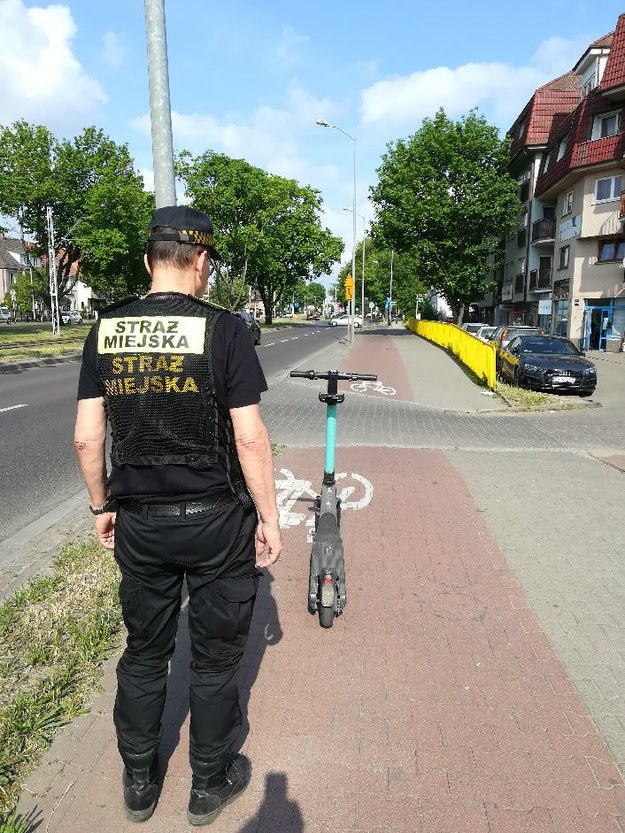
(232, 606)
(132, 609)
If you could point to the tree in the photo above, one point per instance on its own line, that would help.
(266, 227)
(406, 281)
(100, 210)
(445, 195)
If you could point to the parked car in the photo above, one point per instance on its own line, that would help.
(251, 324)
(502, 335)
(71, 316)
(5, 315)
(473, 327)
(344, 319)
(551, 363)
(486, 332)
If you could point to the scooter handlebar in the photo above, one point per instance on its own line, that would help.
(334, 374)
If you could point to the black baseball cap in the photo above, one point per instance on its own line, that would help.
(183, 225)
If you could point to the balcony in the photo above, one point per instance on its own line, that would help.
(524, 191)
(544, 231)
(540, 280)
(521, 237)
(621, 211)
(519, 283)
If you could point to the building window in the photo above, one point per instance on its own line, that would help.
(588, 85)
(546, 163)
(608, 188)
(562, 148)
(564, 257)
(611, 251)
(521, 130)
(567, 203)
(606, 124)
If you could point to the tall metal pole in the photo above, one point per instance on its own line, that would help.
(350, 309)
(362, 288)
(390, 293)
(160, 106)
(54, 292)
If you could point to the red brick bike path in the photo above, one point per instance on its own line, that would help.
(434, 705)
(377, 353)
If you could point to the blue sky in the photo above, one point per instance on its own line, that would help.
(250, 79)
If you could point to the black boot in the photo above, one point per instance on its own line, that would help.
(140, 783)
(210, 794)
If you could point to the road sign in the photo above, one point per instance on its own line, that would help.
(349, 287)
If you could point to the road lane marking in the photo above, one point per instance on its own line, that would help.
(12, 408)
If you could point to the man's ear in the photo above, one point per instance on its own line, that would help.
(147, 265)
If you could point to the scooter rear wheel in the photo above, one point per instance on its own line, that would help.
(326, 616)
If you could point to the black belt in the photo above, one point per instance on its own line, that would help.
(177, 510)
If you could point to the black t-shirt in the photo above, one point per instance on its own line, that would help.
(239, 381)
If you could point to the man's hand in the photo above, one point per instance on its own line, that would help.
(268, 543)
(105, 529)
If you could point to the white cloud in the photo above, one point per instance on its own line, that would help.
(41, 79)
(287, 51)
(113, 50)
(498, 89)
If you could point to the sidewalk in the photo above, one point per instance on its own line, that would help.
(436, 704)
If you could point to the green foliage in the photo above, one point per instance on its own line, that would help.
(445, 195)
(406, 281)
(266, 227)
(100, 209)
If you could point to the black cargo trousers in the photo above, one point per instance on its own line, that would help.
(215, 551)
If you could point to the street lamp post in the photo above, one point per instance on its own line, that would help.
(362, 288)
(324, 123)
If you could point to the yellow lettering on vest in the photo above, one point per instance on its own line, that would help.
(156, 383)
(171, 384)
(130, 363)
(145, 363)
(145, 384)
(161, 363)
(129, 385)
(175, 364)
(110, 387)
(117, 365)
(189, 385)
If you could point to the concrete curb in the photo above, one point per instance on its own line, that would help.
(26, 364)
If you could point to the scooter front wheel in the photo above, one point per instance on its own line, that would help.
(327, 600)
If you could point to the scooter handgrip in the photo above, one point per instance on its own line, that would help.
(364, 377)
(303, 374)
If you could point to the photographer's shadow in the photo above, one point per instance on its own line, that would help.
(277, 812)
(264, 632)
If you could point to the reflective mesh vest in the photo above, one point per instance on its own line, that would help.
(155, 364)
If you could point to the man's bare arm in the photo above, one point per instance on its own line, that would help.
(89, 443)
(254, 450)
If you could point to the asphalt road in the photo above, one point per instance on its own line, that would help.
(38, 470)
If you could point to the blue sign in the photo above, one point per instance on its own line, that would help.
(387, 303)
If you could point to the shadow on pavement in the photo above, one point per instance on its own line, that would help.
(277, 812)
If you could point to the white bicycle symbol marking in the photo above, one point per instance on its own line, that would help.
(362, 387)
(290, 489)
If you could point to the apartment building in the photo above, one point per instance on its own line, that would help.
(563, 269)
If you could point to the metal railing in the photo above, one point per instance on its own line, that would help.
(544, 229)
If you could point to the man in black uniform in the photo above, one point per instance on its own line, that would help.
(190, 495)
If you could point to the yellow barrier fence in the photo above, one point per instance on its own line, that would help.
(477, 355)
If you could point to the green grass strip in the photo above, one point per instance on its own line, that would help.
(55, 633)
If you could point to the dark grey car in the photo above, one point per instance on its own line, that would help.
(550, 363)
(251, 324)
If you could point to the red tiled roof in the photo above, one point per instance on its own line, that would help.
(602, 43)
(550, 103)
(614, 73)
(581, 150)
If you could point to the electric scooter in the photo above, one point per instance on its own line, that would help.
(327, 595)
